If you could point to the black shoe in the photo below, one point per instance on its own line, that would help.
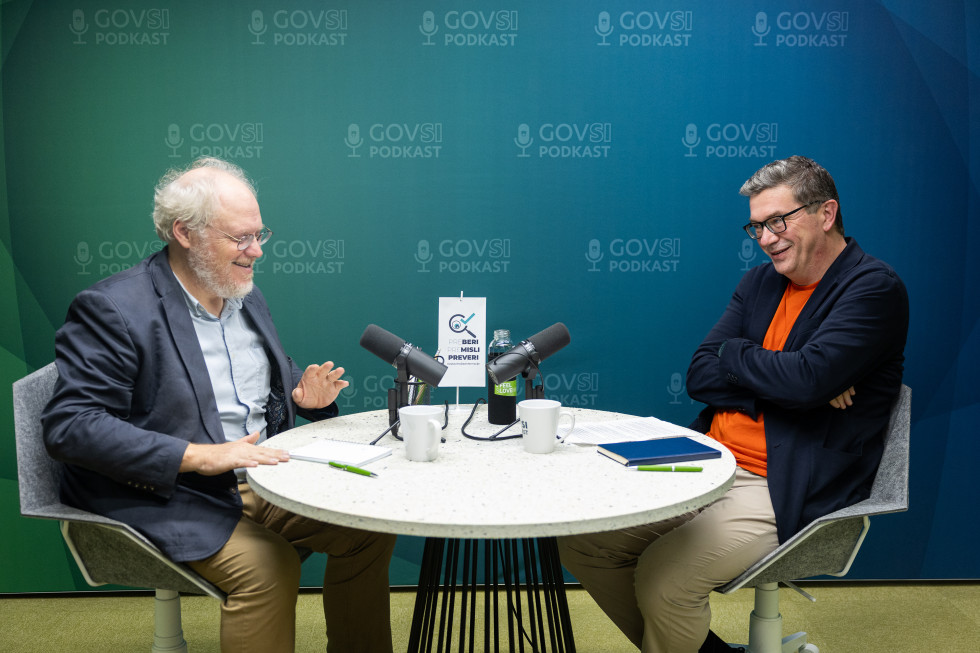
(715, 644)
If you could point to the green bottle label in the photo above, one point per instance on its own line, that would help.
(506, 389)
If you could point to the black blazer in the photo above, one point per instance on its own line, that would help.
(851, 332)
(133, 390)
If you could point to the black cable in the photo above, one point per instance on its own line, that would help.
(493, 437)
(445, 423)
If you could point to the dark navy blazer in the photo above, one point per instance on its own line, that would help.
(851, 332)
(133, 390)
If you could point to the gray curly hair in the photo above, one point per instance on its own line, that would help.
(193, 200)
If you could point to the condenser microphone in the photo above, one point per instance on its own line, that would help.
(388, 347)
(528, 353)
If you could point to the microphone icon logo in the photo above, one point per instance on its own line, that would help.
(691, 139)
(761, 27)
(676, 387)
(174, 140)
(594, 254)
(523, 140)
(347, 394)
(83, 256)
(257, 26)
(603, 27)
(353, 140)
(78, 26)
(423, 255)
(747, 253)
(428, 27)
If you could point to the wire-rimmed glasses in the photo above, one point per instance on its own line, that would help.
(261, 237)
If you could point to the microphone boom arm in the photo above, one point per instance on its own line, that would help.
(398, 395)
(530, 390)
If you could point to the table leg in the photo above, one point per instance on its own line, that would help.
(555, 595)
(533, 597)
(512, 583)
(423, 620)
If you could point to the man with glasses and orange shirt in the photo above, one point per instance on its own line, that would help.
(170, 374)
(799, 376)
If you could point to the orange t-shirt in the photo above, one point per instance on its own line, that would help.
(744, 436)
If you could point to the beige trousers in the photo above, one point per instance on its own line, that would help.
(653, 581)
(259, 570)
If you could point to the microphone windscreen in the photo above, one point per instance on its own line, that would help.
(383, 344)
(550, 340)
(518, 360)
(425, 367)
(386, 346)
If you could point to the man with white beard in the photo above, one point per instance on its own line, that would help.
(170, 374)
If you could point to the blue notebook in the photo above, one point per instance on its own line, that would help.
(659, 451)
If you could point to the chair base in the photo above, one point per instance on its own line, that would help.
(168, 634)
(795, 643)
(766, 626)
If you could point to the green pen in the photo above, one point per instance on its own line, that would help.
(668, 468)
(352, 469)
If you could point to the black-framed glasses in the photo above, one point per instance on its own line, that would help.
(261, 237)
(776, 224)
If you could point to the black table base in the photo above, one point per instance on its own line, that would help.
(503, 612)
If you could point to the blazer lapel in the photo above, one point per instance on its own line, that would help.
(764, 302)
(847, 259)
(188, 347)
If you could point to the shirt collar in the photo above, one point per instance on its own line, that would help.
(197, 309)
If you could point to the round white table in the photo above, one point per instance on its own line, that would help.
(485, 490)
(481, 489)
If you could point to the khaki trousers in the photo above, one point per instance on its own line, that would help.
(653, 581)
(259, 570)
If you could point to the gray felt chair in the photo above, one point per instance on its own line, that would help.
(107, 551)
(828, 545)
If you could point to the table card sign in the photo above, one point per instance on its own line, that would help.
(463, 341)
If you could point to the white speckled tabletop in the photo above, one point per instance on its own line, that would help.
(482, 489)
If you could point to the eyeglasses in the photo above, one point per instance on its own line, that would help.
(261, 237)
(776, 224)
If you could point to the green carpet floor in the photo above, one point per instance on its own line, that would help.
(847, 618)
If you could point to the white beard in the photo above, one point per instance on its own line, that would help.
(205, 268)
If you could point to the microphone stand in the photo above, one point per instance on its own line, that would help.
(530, 390)
(398, 396)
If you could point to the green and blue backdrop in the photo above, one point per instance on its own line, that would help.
(569, 161)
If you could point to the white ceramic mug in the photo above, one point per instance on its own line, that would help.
(421, 429)
(539, 424)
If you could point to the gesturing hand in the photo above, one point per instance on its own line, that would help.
(319, 386)
(843, 400)
(213, 459)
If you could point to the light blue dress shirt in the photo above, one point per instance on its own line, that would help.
(237, 363)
